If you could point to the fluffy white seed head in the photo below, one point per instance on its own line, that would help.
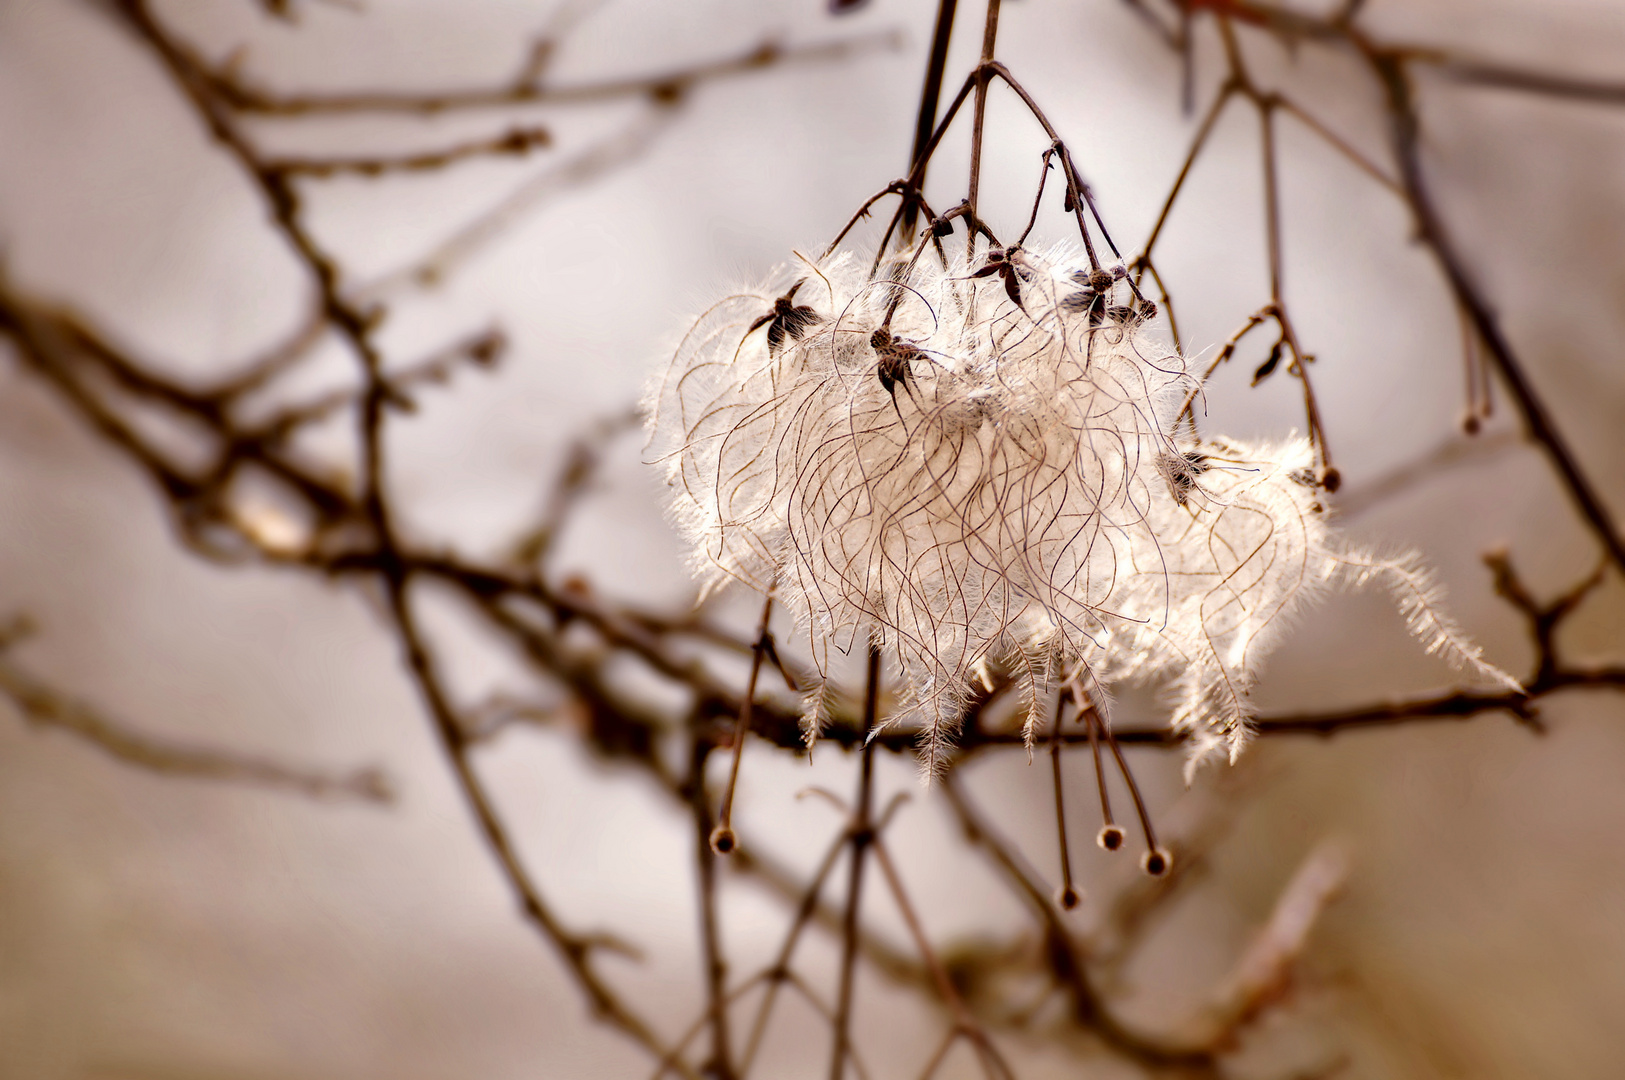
(978, 463)
(928, 460)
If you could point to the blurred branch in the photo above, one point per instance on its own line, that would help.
(1406, 126)
(1452, 452)
(1064, 958)
(1263, 974)
(965, 1024)
(576, 950)
(45, 707)
(517, 142)
(613, 151)
(1502, 76)
(527, 87)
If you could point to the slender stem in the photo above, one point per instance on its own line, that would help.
(964, 1021)
(930, 95)
(1155, 856)
(1478, 399)
(1187, 61)
(1272, 200)
(1205, 129)
(1289, 335)
(723, 840)
(990, 35)
(896, 187)
(912, 183)
(1111, 836)
(781, 963)
(720, 1064)
(1068, 896)
(933, 963)
(862, 837)
(1254, 321)
(1341, 145)
(1266, 104)
(1082, 194)
(940, 1054)
(1043, 177)
(1165, 302)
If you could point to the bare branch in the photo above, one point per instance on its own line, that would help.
(45, 707)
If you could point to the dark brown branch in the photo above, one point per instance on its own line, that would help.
(805, 910)
(1389, 62)
(990, 36)
(1203, 130)
(723, 841)
(926, 116)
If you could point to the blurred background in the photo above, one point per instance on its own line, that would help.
(156, 927)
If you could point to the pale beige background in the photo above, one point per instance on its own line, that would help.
(155, 929)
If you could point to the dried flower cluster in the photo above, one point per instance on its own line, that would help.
(976, 466)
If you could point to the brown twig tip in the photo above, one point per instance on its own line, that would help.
(1068, 897)
(1156, 861)
(1110, 838)
(723, 840)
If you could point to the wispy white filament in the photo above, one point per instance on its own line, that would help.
(969, 476)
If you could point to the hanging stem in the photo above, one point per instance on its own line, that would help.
(723, 840)
(1203, 130)
(1043, 176)
(1267, 103)
(720, 1064)
(1067, 897)
(990, 35)
(862, 837)
(925, 122)
(1156, 860)
(1111, 834)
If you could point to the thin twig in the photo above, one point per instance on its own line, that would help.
(720, 1063)
(723, 839)
(862, 838)
(44, 707)
(990, 36)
